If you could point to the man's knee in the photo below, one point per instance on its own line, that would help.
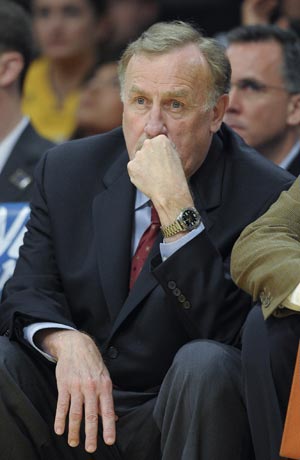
(22, 366)
(205, 365)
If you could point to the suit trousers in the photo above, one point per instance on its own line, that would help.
(269, 350)
(197, 414)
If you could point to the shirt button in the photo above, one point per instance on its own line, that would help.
(171, 285)
(112, 352)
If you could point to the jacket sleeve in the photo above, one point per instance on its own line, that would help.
(35, 291)
(266, 257)
(197, 280)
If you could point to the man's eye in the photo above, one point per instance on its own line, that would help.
(249, 85)
(40, 13)
(140, 100)
(176, 104)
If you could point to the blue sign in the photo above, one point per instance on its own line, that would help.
(13, 219)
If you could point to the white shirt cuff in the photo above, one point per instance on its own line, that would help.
(167, 249)
(29, 331)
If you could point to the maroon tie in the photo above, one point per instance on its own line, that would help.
(144, 247)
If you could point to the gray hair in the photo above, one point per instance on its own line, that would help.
(286, 39)
(163, 37)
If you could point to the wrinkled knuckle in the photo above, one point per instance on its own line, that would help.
(92, 418)
(63, 407)
(108, 412)
(91, 384)
(106, 382)
(76, 416)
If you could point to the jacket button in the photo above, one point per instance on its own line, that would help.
(112, 352)
(177, 292)
(181, 298)
(186, 305)
(171, 285)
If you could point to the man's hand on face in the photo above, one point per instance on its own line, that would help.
(157, 171)
(84, 387)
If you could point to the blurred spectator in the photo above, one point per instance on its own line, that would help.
(100, 107)
(68, 34)
(264, 103)
(259, 11)
(128, 18)
(284, 13)
(20, 146)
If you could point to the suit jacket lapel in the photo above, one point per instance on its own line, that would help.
(207, 183)
(113, 217)
(20, 165)
(142, 287)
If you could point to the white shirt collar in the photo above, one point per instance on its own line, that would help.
(8, 143)
(141, 200)
(290, 156)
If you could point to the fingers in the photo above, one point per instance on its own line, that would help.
(94, 403)
(108, 411)
(75, 417)
(91, 422)
(62, 409)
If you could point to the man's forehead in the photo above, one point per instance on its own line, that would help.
(189, 53)
(177, 68)
(253, 57)
(258, 52)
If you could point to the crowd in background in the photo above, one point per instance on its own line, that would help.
(72, 45)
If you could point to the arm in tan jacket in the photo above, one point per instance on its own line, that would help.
(266, 257)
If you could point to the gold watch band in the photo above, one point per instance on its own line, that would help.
(172, 229)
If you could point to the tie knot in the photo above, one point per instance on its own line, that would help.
(154, 216)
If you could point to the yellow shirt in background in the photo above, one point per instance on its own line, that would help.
(51, 118)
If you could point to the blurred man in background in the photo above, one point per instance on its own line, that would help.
(20, 146)
(264, 103)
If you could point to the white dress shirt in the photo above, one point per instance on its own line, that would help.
(8, 143)
(290, 156)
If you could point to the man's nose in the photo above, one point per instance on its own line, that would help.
(234, 100)
(155, 124)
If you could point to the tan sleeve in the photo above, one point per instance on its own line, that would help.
(266, 257)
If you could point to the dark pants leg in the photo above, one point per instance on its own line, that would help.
(268, 358)
(200, 409)
(198, 414)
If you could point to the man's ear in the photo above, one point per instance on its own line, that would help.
(218, 112)
(11, 65)
(293, 110)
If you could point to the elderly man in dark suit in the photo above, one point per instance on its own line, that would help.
(121, 317)
(20, 145)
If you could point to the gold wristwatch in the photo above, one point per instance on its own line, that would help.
(188, 219)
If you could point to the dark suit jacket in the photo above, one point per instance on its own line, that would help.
(74, 266)
(294, 167)
(20, 166)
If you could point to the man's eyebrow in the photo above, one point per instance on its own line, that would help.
(136, 90)
(180, 92)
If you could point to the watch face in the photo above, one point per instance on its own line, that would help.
(190, 218)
